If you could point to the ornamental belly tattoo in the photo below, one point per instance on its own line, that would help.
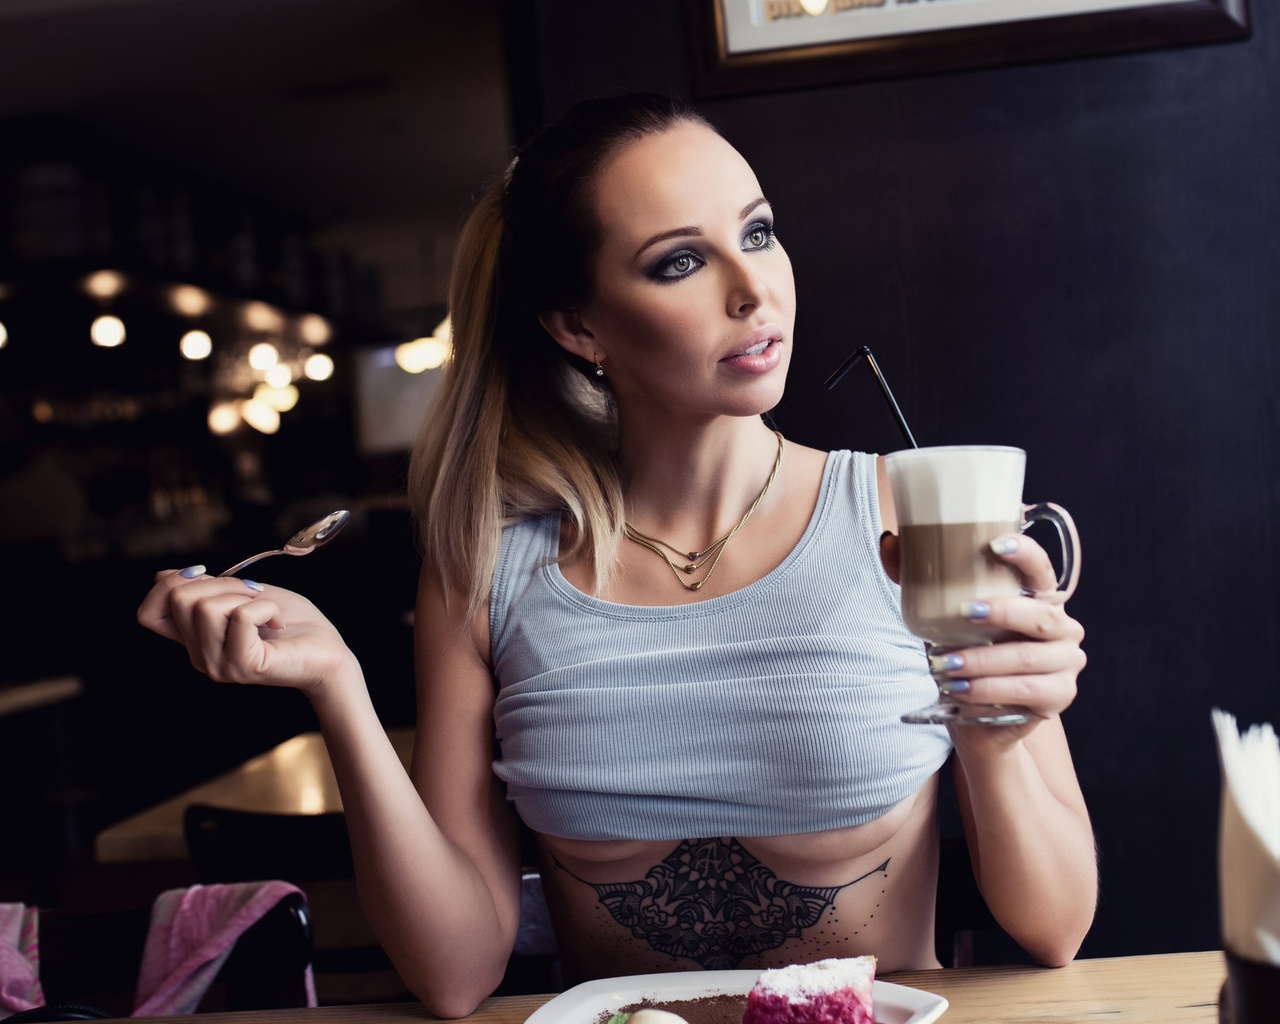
(712, 902)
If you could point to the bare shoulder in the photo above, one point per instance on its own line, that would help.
(806, 465)
(801, 482)
(809, 465)
(810, 460)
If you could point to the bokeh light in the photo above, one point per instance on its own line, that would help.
(422, 354)
(189, 300)
(196, 345)
(280, 375)
(318, 367)
(224, 417)
(315, 329)
(262, 417)
(105, 284)
(444, 331)
(263, 356)
(281, 399)
(258, 316)
(107, 331)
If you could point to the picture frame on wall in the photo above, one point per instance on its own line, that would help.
(741, 46)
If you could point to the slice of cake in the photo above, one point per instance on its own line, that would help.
(716, 1009)
(826, 992)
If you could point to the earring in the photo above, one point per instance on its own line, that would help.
(599, 368)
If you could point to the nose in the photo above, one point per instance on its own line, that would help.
(745, 288)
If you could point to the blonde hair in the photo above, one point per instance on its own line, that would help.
(519, 428)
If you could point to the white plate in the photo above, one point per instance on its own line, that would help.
(584, 1004)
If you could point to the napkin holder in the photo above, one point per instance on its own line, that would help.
(1249, 873)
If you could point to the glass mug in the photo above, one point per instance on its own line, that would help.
(952, 501)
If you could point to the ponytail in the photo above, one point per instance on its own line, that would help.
(505, 439)
(519, 428)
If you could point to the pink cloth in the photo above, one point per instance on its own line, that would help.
(192, 933)
(19, 959)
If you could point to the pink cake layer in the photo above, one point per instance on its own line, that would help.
(837, 991)
(828, 1008)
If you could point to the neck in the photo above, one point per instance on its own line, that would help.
(691, 485)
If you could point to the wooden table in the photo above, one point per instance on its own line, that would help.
(1174, 988)
(292, 778)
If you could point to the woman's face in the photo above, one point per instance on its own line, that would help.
(694, 299)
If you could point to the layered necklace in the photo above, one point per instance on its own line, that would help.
(712, 552)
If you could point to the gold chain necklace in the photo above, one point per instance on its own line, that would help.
(713, 550)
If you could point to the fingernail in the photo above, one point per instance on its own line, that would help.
(945, 662)
(975, 609)
(192, 571)
(254, 586)
(954, 685)
(1004, 545)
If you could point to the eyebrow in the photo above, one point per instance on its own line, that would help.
(691, 230)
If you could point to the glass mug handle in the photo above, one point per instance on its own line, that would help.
(1061, 519)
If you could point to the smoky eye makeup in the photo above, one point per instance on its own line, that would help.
(678, 264)
(764, 230)
(675, 265)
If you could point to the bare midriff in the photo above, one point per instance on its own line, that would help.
(639, 906)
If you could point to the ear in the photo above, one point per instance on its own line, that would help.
(571, 334)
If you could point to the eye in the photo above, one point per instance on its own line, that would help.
(677, 265)
(759, 236)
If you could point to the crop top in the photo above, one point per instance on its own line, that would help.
(771, 710)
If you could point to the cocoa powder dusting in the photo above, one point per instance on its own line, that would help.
(721, 1009)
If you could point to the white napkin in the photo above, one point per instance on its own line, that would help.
(1249, 839)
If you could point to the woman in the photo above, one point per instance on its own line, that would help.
(674, 623)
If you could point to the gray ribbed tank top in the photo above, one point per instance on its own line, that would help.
(768, 711)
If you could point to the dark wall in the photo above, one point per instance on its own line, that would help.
(1080, 258)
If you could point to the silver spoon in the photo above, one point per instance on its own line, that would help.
(304, 541)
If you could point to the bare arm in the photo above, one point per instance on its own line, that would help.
(436, 857)
(441, 887)
(1029, 837)
(1025, 819)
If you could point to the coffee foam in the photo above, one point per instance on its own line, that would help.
(957, 484)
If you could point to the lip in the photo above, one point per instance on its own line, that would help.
(761, 362)
(765, 333)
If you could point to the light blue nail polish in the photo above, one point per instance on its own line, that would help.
(253, 586)
(946, 662)
(954, 686)
(192, 571)
(1004, 545)
(975, 609)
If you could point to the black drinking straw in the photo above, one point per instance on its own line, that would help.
(848, 365)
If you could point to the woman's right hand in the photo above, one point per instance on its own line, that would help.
(237, 632)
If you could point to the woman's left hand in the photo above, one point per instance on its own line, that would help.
(1038, 669)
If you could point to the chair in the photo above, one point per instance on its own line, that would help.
(89, 963)
(960, 910)
(313, 851)
(245, 846)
